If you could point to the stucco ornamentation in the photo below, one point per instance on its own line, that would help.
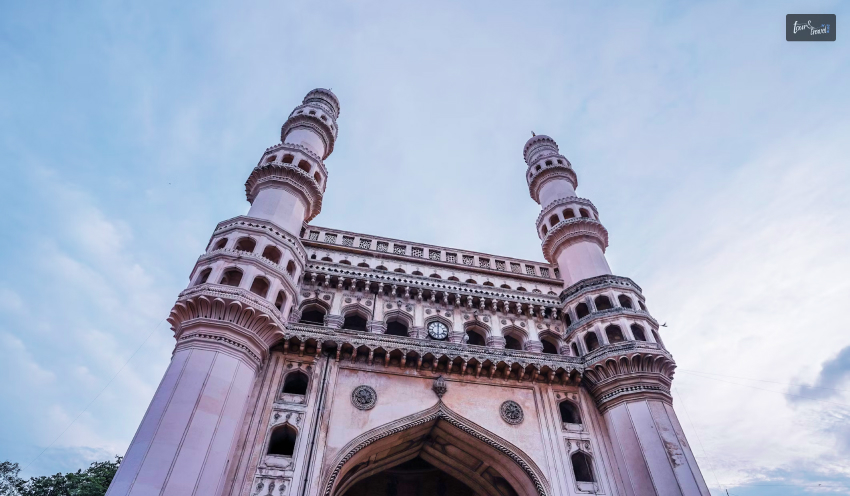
(511, 412)
(439, 387)
(364, 397)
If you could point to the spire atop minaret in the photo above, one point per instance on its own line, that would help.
(568, 226)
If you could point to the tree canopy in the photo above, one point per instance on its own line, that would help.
(94, 481)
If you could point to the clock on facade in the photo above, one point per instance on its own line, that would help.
(438, 330)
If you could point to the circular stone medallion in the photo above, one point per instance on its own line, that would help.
(364, 398)
(511, 412)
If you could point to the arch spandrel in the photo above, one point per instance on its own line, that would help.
(444, 439)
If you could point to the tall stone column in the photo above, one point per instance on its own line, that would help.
(241, 293)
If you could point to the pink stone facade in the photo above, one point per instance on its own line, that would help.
(314, 361)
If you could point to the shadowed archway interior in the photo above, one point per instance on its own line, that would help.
(435, 452)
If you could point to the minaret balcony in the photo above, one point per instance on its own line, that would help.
(291, 178)
(570, 231)
(540, 174)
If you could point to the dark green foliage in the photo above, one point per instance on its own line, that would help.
(92, 482)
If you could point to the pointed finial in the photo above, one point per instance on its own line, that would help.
(532, 134)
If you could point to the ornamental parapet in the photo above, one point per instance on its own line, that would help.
(288, 177)
(570, 231)
(607, 314)
(628, 371)
(425, 354)
(226, 317)
(326, 131)
(598, 282)
(316, 159)
(262, 226)
(536, 178)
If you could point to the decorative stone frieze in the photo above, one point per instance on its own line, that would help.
(598, 282)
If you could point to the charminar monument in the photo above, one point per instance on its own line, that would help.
(318, 362)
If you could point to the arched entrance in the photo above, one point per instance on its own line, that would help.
(436, 448)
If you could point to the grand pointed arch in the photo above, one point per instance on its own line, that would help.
(417, 435)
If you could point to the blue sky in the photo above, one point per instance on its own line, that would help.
(716, 152)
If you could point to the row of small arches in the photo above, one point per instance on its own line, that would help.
(614, 334)
(232, 276)
(302, 164)
(568, 213)
(399, 270)
(249, 244)
(601, 302)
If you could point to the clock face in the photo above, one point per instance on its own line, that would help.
(438, 330)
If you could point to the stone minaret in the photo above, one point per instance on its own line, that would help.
(224, 330)
(628, 373)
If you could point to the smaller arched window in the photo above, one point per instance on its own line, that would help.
(475, 337)
(548, 162)
(615, 334)
(345, 262)
(272, 254)
(568, 213)
(521, 289)
(397, 327)
(280, 301)
(582, 311)
(582, 467)
(637, 332)
(290, 268)
(591, 341)
(642, 306)
(271, 158)
(399, 270)
(314, 315)
(574, 348)
(569, 412)
(553, 219)
(549, 347)
(205, 274)
(287, 159)
(418, 273)
(471, 281)
(567, 319)
(513, 343)
(602, 302)
(657, 338)
(282, 441)
(505, 286)
(220, 244)
(544, 230)
(584, 213)
(304, 165)
(260, 286)
(231, 277)
(488, 283)
(317, 178)
(296, 383)
(327, 259)
(354, 322)
(380, 267)
(245, 244)
(435, 276)
(363, 265)
(625, 301)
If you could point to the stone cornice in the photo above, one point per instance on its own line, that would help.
(570, 200)
(423, 282)
(570, 231)
(598, 282)
(290, 178)
(548, 172)
(438, 349)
